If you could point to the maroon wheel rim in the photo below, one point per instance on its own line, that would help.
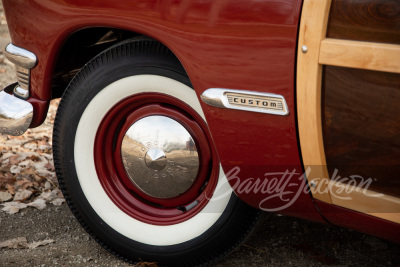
(118, 185)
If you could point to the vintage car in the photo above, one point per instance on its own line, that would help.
(182, 122)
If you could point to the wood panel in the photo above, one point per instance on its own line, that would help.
(361, 55)
(314, 50)
(314, 19)
(365, 201)
(366, 20)
(361, 125)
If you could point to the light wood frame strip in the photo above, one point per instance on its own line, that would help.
(313, 25)
(365, 201)
(360, 55)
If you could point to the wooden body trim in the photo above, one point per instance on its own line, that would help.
(365, 201)
(314, 51)
(313, 25)
(360, 55)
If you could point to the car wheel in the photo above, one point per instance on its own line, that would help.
(137, 165)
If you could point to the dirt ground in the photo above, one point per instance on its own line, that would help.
(49, 235)
(281, 241)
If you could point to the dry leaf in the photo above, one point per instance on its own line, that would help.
(58, 201)
(19, 242)
(22, 195)
(24, 183)
(13, 207)
(30, 145)
(5, 179)
(35, 158)
(34, 245)
(27, 185)
(39, 178)
(14, 160)
(10, 189)
(38, 203)
(49, 196)
(5, 196)
(49, 166)
(20, 137)
(46, 196)
(15, 169)
(47, 185)
(5, 168)
(7, 155)
(26, 165)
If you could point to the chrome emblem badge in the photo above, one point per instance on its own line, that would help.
(246, 100)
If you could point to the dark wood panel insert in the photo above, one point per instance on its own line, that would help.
(361, 125)
(365, 20)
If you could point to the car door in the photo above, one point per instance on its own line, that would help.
(348, 98)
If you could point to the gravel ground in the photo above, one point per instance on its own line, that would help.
(280, 241)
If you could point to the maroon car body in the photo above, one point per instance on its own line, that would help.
(250, 46)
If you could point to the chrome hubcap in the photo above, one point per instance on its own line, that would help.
(160, 156)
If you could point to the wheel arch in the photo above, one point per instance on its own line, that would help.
(80, 47)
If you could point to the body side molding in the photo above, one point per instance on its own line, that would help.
(246, 101)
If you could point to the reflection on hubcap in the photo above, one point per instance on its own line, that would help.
(155, 159)
(160, 156)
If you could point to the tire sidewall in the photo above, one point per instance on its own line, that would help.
(92, 79)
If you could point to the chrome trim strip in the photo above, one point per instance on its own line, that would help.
(254, 101)
(20, 57)
(15, 114)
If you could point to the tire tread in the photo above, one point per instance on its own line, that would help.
(132, 48)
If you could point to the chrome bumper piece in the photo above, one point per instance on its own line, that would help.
(15, 114)
(20, 56)
(24, 61)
